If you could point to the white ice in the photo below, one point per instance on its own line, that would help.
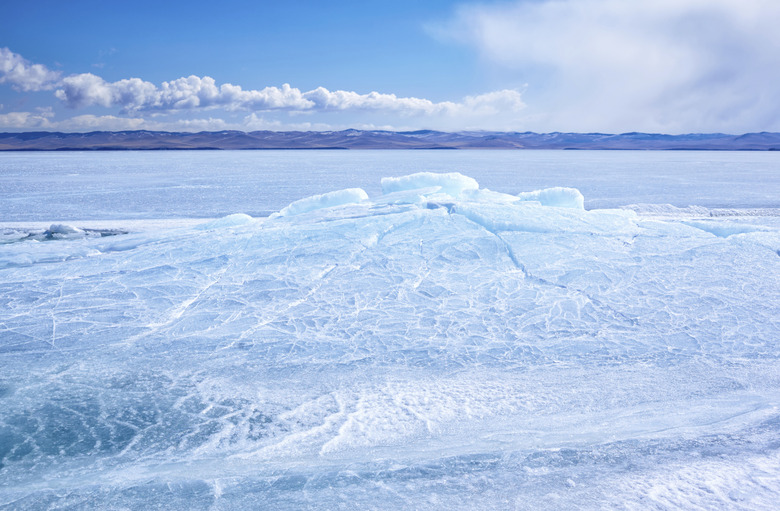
(557, 196)
(436, 346)
(326, 200)
(452, 184)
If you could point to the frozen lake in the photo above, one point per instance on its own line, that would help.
(422, 342)
(67, 186)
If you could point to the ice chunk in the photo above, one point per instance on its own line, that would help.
(235, 220)
(417, 196)
(64, 229)
(326, 200)
(485, 195)
(452, 183)
(558, 196)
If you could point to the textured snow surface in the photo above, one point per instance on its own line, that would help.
(440, 346)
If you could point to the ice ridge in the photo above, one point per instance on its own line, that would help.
(439, 345)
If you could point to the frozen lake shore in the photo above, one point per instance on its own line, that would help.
(430, 344)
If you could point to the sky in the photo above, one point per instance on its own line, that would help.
(610, 66)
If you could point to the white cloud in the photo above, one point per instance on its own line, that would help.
(98, 123)
(193, 93)
(254, 122)
(23, 120)
(493, 103)
(43, 120)
(210, 124)
(677, 65)
(23, 75)
(85, 90)
(323, 99)
(141, 104)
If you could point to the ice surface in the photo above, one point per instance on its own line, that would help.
(76, 186)
(725, 229)
(558, 196)
(64, 229)
(438, 346)
(326, 200)
(452, 184)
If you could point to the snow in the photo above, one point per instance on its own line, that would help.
(438, 345)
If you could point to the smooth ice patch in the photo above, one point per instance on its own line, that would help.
(725, 229)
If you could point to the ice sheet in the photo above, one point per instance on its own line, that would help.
(413, 350)
(73, 186)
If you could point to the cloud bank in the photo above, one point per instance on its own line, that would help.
(138, 102)
(193, 92)
(669, 65)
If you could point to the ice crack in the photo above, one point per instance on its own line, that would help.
(544, 282)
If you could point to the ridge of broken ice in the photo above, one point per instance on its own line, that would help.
(452, 183)
(429, 345)
(557, 196)
(324, 201)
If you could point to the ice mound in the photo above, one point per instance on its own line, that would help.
(234, 220)
(452, 184)
(64, 229)
(465, 350)
(326, 200)
(558, 197)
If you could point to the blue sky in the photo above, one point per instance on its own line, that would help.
(542, 65)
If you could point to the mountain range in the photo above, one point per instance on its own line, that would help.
(379, 139)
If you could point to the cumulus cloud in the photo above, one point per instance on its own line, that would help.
(193, 92)
(134, 95)
(44, 120)
(23, 75)
(324, 99)
(611, 64)
(24, 120)
(138, 99)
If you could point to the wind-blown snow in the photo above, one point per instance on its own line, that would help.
(437, 346)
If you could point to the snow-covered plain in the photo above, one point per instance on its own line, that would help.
(430, 345)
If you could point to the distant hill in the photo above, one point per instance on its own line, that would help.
(357, 139)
